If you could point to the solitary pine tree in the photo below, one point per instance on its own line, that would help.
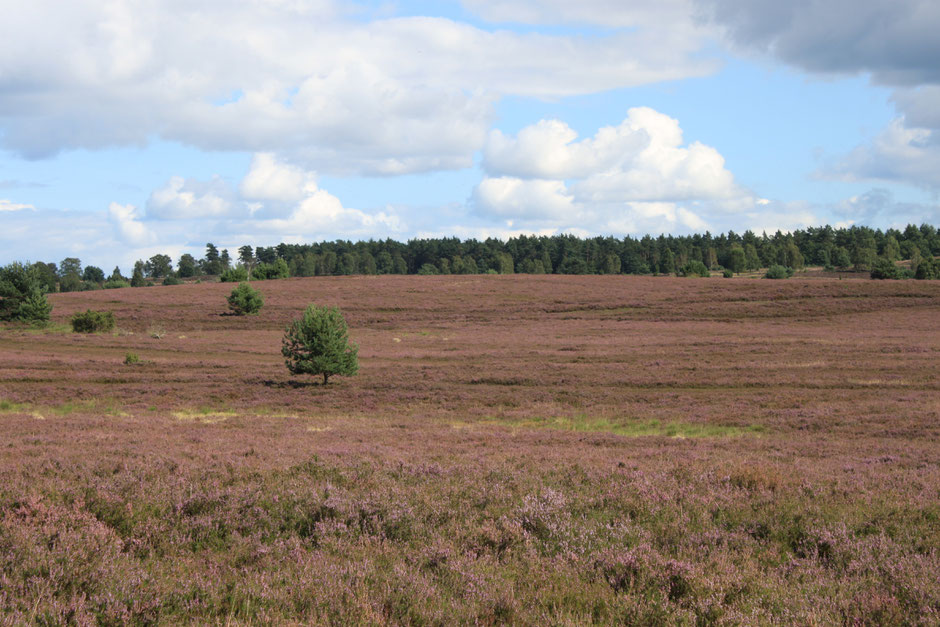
(244, 299)
(319, 343)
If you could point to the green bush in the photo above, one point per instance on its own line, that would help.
(131, 359)
(885, 269)
(318, 344)
(234, 275)
(93, 321)
(113, 284)
(428, 269)
(172, 279)
(777, 271)
(244, 299)
(928, 269)
(727, 273)
(694, 268)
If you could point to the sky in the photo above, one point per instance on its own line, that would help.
(130, 128)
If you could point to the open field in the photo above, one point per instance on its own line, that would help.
(515, 449)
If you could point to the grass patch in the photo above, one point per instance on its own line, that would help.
(204, 415)
(11, 407)
(631, 428)
(109, 407)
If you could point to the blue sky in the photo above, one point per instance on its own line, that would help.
(135, 127)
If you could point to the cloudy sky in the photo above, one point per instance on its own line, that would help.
(135, 127)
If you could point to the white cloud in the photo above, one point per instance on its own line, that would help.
(898, 153)
(636, 177)
(514, 198)
(9, 205)
(190, 199)
(127, 222)
(268, 179)
(300, 79)
(642, 159)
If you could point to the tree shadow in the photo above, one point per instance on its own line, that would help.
(293, 384)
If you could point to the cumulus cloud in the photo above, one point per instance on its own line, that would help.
(127, 221)
(635, 176)
(275, 201)
(301, 79)
(514, 198)
(899, 153)
(269, 179)
(191, 199)
(878, 206)
(9, 205)
(642, 159)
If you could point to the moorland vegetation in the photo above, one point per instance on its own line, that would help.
(514, 450)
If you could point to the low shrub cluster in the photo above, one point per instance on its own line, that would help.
(93, 321)
(777, 271)
(234, 275)
(694, 268)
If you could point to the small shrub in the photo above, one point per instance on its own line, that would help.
(93, 321)
(156, 331)
(113, 284)
(428, 269)
(244, 299)
(234, 275)
(172, 279)
(777, 271)
(130, 359)
(727, 273)
(885, 269)
(694, 268)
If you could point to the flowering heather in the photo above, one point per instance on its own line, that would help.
(515, 450)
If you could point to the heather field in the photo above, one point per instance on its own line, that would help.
(524, 450)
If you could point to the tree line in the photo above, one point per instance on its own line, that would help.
(857, 248)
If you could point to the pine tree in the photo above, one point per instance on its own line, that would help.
(319, 343)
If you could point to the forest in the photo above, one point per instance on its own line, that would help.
(854, 249)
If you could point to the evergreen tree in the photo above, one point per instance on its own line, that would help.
(318, 344)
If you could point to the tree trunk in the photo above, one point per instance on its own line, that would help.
(325, 376)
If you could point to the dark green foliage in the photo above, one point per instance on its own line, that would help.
(92, 321)
(172, 279)
(186, 266)
(21, 294)
(267, 271)
(928, 269)
(737, 259)
(884, 268)
(93, 274)
(158, 266)
(70, 275)
(212, 263)
(318, 344)
(244, 299)
(727, 273)
(777, 271)
(428, 268)
(113, 284)
(138, 279)
(694, 268)
(234, 275)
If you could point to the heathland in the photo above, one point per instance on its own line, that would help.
(539, 449)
